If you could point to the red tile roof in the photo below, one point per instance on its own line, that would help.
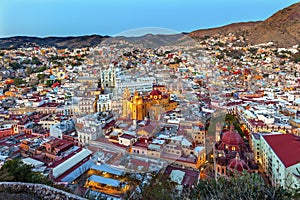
(127, 136)
(110, 124)
(136, 162)
(286, 147)
(232, 138)
(142, 142)
(149, 128)
(257, 122)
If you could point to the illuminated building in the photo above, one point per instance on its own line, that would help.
(150, 106)
(106, 179)
(232, 154)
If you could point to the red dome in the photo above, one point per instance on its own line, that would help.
(232, 138)
(155, 92)
(237, 164)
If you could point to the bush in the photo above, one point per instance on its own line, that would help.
(240, 186)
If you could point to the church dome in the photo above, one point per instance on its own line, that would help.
(238, 164)
(155, 92)
(232, 138)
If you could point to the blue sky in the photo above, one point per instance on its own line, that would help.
(111, 17)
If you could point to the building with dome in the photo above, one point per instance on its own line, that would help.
(138, 107)
(233, 154)
(232, 141)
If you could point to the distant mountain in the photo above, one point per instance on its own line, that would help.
(59, 42)
(150, 40)
(282, 28)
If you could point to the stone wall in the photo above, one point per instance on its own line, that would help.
(38, 190)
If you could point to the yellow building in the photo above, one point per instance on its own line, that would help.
(150, 106)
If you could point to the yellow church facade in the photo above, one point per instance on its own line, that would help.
(150, 106)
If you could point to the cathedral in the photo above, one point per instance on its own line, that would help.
(151, 106)
(233, 154)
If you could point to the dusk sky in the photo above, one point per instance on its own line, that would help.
(111, 17)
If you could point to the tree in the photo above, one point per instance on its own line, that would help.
(296, 57)
(253, 50)
(220, 56)
(41, 76)
(18, 81)
(152, 186)
(232, 120)
(29, 70)
(15, 65)
(239, 186)
(17, 171)
(35, 61)
(40, 69)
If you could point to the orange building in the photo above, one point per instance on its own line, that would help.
(6, 131)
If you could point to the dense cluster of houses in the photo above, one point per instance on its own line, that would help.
(92, 115)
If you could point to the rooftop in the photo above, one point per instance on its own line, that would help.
(286, 147)
(190, 176)
(108, 169)
(106, 181)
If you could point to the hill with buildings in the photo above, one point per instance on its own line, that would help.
(241, 27)
(282, 28)
(58, 42)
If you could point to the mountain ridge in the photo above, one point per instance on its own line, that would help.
(282, 28)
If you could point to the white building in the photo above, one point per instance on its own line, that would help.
(280, 159)
(127, 139)
(57, 130)
(104, 103)
(63, 167)
(138, 84)
(87, 134)
(90, 127)
(108, 77)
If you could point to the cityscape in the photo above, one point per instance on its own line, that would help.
(153, 113)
